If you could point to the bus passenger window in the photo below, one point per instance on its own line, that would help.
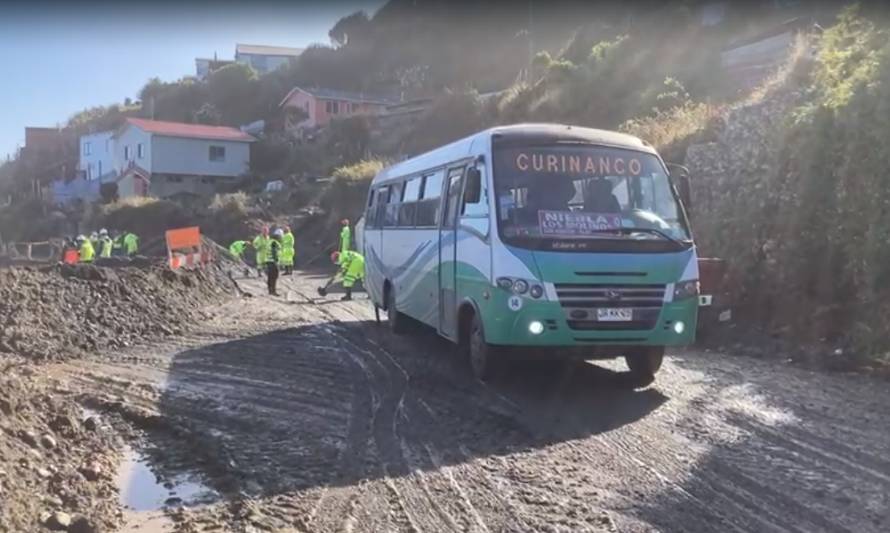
(428, 207)
(392, 207)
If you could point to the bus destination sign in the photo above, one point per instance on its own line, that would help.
(576, 223)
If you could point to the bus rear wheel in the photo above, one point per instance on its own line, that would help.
(394, 318)
(484, 358)
(645, 362)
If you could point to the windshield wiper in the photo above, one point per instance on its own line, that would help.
(645, 230)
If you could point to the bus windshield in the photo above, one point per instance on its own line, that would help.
(580, 194)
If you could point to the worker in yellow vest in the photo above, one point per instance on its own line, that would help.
(106, 244)
(345, 237)
(352, 269)
(87, 252)
(287, 251)
(260, 246)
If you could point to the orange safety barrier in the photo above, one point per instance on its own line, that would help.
(185, 249)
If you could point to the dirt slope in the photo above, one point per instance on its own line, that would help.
(312, 418)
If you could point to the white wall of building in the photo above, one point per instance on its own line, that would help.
(191, 157)
(96, 154)
(126, 149)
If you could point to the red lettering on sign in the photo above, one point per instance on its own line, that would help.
(538, 162)
(635, 167)
(619, 171)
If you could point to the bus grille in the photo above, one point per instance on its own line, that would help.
(580, 302)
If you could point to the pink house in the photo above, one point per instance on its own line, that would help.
(308, 109)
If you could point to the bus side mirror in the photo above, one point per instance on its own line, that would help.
(680, 178)
(473, 190)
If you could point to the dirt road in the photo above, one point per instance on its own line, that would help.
(306, 417)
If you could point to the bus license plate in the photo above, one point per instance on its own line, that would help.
(615, 315)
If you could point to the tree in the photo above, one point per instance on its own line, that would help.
(232, 89)
(352, 29)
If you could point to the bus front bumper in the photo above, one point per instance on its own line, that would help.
(544, 324)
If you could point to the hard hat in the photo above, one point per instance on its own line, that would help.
(278, 232)
(103, 231)
(81, 238)
(335, 257)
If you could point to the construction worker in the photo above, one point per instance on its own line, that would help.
(345, 236)
(260, 243)
(87, 252)
(273, 256)
(131, 243)
(287, 251)
(106, 245)
(352, 269)
(94, 240)
(117, 243)
(237, 250)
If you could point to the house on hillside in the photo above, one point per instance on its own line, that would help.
(155, 158)
(265, 59)
(166, 159)
(308, 109)
(95, 159)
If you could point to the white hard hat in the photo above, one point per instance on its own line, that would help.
(81, 238)
(103, 231)
(278, 233)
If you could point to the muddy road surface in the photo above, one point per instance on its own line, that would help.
(301, 414)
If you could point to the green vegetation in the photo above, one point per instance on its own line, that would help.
(806, 225)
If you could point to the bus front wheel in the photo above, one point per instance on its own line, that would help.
(645, 362)
(484, 358)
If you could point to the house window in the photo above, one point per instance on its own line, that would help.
(332, 108)
(140, 151)
(328, 108)
(217, 153)
(354, 107)
(89, 171)
(100, 169)
(126, 153)
(87, 148)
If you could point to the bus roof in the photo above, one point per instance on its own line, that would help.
(519, 133)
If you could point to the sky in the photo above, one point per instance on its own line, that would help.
(61, 57)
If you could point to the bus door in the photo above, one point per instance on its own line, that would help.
(373, 241)
(448, 253)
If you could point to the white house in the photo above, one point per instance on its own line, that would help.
(169, 158)
(265, 59)
(96, 155)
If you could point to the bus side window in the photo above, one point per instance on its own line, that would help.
(428, 207)
(409, 202)
(380, 208)
(392, 206)
(454, 196)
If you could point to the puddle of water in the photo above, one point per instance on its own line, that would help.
(141, 491)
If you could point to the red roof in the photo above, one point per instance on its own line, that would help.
(195, 131)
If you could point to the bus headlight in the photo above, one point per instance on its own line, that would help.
(679, 327)
(535, 327)
(520, 286)
(505, 283)
(686, 289)
(536, 291)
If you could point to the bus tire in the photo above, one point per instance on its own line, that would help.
(397, 321)
(645, 362)
(484, 358)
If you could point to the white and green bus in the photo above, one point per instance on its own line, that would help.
(536, 240)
